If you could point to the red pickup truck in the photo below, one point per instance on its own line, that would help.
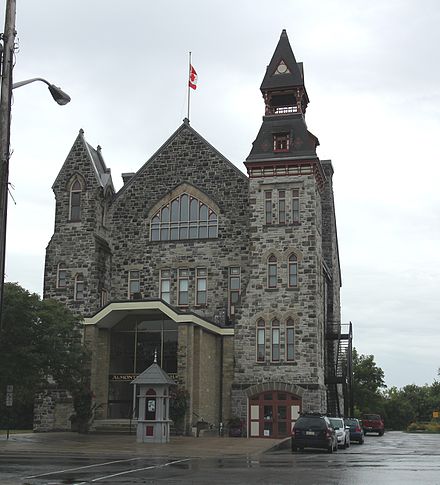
(373, 423)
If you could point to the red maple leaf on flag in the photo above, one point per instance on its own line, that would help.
(192, 77)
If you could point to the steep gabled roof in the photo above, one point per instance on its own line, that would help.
(102, 173)
(184, 126)
(294, 75)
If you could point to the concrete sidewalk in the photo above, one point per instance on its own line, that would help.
(116, 444)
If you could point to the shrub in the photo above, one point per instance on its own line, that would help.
(432, 427)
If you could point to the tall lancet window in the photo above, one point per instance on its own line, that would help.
(75, 201)
(272, 272)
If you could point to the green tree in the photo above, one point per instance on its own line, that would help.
(422, 400)
(399, 412)
(40, 345)
(368, 380)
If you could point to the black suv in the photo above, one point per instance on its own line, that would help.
(314, 431)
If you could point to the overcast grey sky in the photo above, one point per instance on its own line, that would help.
(373, 78)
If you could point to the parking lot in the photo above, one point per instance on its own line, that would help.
(393, 458)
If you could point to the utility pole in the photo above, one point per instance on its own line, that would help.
(7, 64)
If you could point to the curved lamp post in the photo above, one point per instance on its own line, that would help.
(7, 64)
(57, 93)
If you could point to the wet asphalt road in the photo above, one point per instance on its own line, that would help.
(395, 458)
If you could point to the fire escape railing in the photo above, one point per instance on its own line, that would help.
(339, 369)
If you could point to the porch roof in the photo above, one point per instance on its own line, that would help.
(114, 312)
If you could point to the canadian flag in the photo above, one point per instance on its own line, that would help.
(192, 77)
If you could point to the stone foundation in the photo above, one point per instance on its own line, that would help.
(52, 410)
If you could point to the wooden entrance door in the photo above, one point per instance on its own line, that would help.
(272, 414)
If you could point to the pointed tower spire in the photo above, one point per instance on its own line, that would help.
(283, 143)
(283, 84)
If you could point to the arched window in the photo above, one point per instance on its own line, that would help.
(75, 201)
(61, 276)
(261, 340)
(275, 340)
(79, 288)
(293, 271)
(290, 340)
(185, 217)
(272, 272)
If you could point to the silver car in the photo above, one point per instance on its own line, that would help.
(342, 432)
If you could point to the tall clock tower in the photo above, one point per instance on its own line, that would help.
(279, 340)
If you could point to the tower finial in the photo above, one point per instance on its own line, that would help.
(155, 356)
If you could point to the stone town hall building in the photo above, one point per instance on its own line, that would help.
(233, 279)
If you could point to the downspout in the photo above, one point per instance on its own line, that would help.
(221, 383)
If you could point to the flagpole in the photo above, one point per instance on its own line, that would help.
(189, 76)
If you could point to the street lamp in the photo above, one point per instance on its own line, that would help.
(57, 93)
(7, 64)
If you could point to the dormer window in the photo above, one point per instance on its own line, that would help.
(281, 142)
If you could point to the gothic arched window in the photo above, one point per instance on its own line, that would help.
(272, 272)
(61, 276)
(293, 271)
(290, 340)
(185, 217)
(79, 288)
(275, 340)
(261, 340)
(75, 201)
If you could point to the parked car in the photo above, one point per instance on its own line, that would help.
(342, 432)
(356, 432)
(373, 423)
(314, 431)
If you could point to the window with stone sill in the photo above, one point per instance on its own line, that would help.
(201, 286)
(268, 207)
(134, 284)
(272, 272)
(290, 340)
(185, 217)
(61, 276)
(295, 206)
(281, 207)
(165, 285)
(275, 340)
(183, 287)
(75, 202)
(79, 288)
(234, 288)
(261, 340)
(293, 271)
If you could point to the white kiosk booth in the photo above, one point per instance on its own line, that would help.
(152, 397)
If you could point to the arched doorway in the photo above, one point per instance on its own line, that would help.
(272, 414)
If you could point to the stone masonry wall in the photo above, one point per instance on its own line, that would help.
(74, 245)
(304, 303)
(52, 410)
(188, 162)
(206, 389)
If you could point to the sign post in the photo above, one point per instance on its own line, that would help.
(9, 401)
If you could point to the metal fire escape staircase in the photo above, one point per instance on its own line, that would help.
(339, 378)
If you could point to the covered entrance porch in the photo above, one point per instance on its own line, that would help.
(125, 336)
